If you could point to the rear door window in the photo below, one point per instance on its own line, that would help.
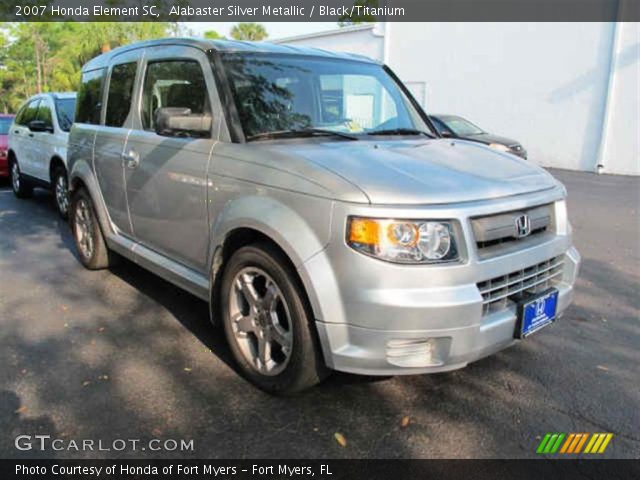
(120, 93)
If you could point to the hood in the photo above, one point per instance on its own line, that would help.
(488, 138)
(433, 171)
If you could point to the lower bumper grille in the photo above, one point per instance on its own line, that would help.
(499, 291)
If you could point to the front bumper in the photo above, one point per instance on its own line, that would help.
(395, 352)
(379, 318)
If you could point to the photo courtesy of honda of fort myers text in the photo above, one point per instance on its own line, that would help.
(319, 239)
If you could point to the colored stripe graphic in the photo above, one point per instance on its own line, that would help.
(603, 447)
(567, 443)
(573, 443)
(581, 443)
(594, 437)
(543, 443)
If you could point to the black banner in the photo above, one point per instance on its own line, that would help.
(321, 469)
(345, 11)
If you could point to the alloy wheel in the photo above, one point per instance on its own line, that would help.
(15, 177)
(261, 321)
(84, 228)
(62, 194)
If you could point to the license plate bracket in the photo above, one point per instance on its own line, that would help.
(536, 311)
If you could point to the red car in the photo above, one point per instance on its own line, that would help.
(5, 125)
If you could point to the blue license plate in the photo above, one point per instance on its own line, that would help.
(537, 312)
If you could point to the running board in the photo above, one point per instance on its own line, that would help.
(174, 272)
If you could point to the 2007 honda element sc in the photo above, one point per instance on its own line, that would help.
(307, 197)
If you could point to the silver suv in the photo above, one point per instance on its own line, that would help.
(307, 197)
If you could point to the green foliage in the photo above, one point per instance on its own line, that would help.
(44, 57)
(346, 20)
(212, 35)
(249, 31)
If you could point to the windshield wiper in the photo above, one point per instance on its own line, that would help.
(302, 132)
(400, 131)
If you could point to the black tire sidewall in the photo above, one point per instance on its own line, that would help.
(297, 375)
(61, 171)
(97, 259)
(25, 190)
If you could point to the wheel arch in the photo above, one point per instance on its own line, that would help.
(81, 176)
(56, 162)
(259, 219)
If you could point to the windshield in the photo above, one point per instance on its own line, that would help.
(5, 124)
(275, 93)
(461, 127)
(65, 108)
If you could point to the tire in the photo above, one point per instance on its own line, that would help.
(21, 187)
(266, 316)
(60, 185)
(90, 244)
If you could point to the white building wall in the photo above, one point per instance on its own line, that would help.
(558, 88)
(621, 145)
(359, 39)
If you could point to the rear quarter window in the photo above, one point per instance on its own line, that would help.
(120, 93)
(89, 100)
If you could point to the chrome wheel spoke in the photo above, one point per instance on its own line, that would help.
(244, 284)
(270, 296)
(264, 353)
(260, 321)
(281, 337)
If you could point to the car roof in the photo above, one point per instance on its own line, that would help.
(54, 95)
(226, 46)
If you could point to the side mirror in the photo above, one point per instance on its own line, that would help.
(177, 121)
(39, 126)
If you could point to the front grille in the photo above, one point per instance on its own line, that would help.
(500, 229)
(499, 291)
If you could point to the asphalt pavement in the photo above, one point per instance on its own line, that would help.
(122, 354)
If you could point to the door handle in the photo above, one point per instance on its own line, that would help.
(17, 132)
(132, 159)
(31, 134)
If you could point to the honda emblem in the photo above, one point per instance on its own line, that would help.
(523, 225)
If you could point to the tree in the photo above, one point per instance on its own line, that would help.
(253, 32)
(346, 20)
(48, 56)
(212, 35)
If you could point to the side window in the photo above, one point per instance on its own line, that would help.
(44, 114)
(173, 83)
(120, 92)
(28, 113)
(89, 100)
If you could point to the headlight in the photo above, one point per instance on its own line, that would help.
(403, 241)
(499, 147)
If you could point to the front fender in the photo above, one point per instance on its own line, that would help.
(301, 228)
